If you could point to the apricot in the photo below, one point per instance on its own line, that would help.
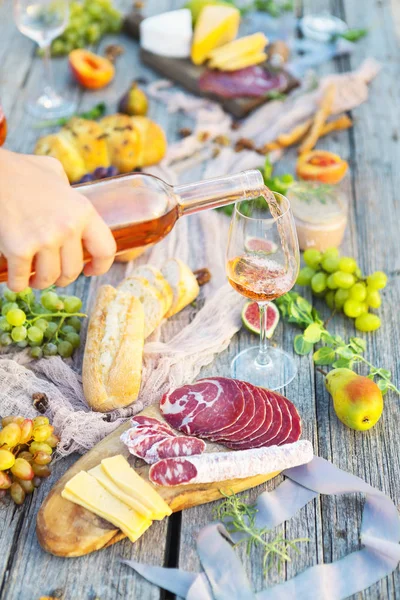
(90, 70)
(321, 165)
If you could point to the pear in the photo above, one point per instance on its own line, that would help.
(357, 400)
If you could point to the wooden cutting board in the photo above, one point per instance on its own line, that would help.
(66, 529)
(186, 74)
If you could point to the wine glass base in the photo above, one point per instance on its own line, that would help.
(280, 370)
(50, 107)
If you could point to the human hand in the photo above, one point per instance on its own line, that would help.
(44, 225)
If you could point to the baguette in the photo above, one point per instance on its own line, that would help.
(112, 364)
(150, 298)
(156, 278)
(183, 283)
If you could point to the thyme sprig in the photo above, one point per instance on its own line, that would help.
(239, 517)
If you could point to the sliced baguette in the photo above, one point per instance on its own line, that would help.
(183, 283)
(112, 364)
(156, 278)
(151, 299)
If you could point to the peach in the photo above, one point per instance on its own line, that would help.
(90, 70)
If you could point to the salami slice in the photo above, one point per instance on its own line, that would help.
(143, 420)
(222, 466)
(244, 419)
(173, 447)
(295, 431)
(265, 435)
(261, 419)
(141, 444)
(205, 407)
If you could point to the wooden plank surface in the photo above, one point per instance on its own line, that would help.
(331, 524)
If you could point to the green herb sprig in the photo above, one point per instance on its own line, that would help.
(335, 352)
(94, 113)
(239, 517)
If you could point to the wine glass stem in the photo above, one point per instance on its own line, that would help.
(48, 71)
(263, 358)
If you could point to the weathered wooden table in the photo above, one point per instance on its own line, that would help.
(332, 525)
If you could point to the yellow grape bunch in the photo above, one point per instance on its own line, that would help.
(26, 448)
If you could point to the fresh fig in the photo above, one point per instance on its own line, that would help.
(134, 102)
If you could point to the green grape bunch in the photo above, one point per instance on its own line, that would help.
(49, 326)
(89, 21)
(339, 280)
(26, 448)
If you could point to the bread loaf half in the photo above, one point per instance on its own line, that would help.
(156, 278)
(112, 364)
(183, 283)
(151, 299)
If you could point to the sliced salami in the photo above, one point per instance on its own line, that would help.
(223, 466)
(140, 445)
(173, 447)
(205, 407)
(265, 435)
(261, 419)
(244, 419)
(295, 431)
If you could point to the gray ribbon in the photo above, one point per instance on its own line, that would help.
(224, 577)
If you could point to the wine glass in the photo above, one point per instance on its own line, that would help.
(262, 264)
(43, 21)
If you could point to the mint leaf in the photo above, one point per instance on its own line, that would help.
(301, 346)
(312, 333)
(324, 356)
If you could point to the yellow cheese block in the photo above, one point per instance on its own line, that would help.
(247, 60)
(216, 25)
(245, 45)
(85, 490)
(130, 482)
(110, 486)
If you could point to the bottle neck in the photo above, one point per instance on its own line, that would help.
(219, 191)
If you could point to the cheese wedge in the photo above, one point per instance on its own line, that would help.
(247, 60)
(216, 25)
(85, 490)
(250, 43)
(111, 487)
(119, 471)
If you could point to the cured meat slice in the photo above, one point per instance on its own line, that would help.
(172, 447)
(295, 431)
(222, 466)
(266, 434)
(144, 420)
(140, 445)
(139, 429)
(205, 407)
(244, 419)
(252, 82)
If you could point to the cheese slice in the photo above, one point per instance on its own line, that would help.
(247, 60)
(111, 487)
(119, 471)
(216, 25)
(250, 43)
(85, 490)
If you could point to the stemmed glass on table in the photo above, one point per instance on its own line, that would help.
(262, 264)
(43, 21)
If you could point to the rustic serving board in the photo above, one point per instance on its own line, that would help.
(66, 529)
(186, 74)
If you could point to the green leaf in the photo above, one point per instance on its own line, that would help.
(342, 363)
(382, 385)
(358, 344)
(301, 346)
(303, 305)
(345, 352)
(353, 35)
(312, 333)
(384, 373)
(324, 356)
(267, 170)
